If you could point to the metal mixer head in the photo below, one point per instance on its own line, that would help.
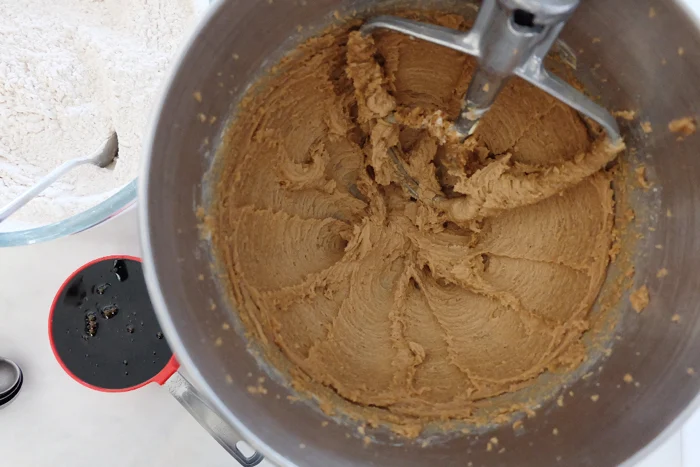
(509, 37)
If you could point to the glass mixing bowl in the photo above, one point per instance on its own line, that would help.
(97, 214)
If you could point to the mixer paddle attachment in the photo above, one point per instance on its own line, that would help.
(509, 37)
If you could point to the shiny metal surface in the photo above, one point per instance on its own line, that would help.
(188, 396)
(9, 376)
(509, 37)
(623, 55)
(11, 379)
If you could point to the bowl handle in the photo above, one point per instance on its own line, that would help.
(191, 399)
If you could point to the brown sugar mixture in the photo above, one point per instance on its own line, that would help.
(413, 308)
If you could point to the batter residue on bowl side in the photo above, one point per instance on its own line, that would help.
(413, 309)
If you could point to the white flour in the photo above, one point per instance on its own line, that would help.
(70, 72)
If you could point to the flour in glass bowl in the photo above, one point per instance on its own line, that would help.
(71, 71)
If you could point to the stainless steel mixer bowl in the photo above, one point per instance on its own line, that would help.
(619, 40)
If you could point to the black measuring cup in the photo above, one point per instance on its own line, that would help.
(105, 335)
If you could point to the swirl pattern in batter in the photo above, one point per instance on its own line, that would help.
(417, 308)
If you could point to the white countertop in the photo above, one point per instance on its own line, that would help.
(57, 422)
